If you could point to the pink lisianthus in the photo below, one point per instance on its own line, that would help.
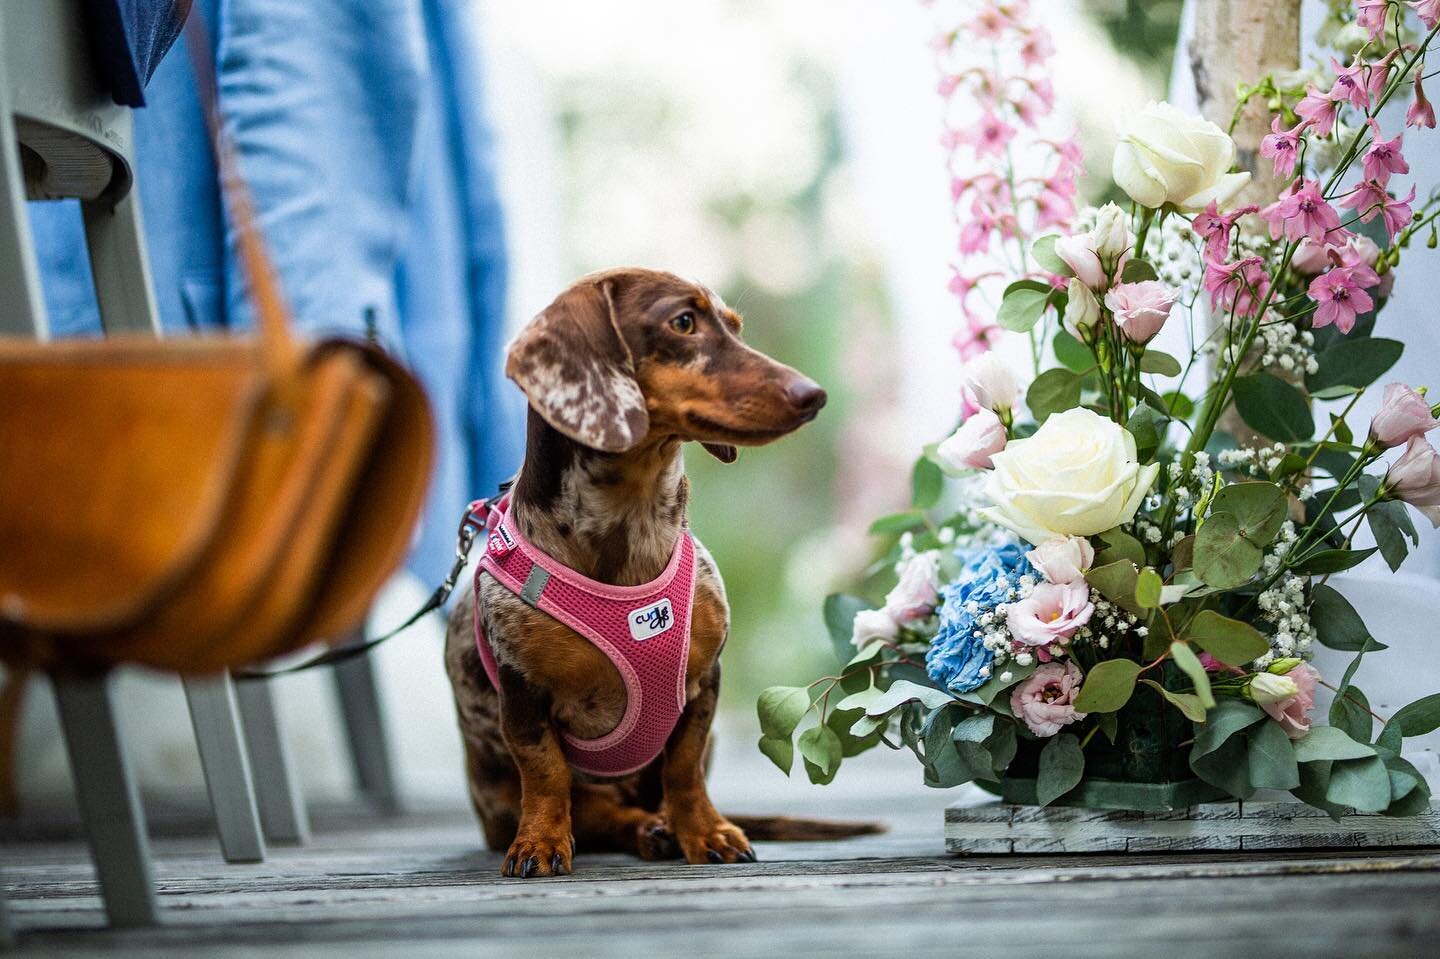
(1311, 258)
(1303, 212)
(1049, 615)
(1293, 712)
(1079, 254)
(980, 437)
(1063, 560)
(1239, 286)
(1404, 414)
(1420, 113)
(1340, 299)
(1046, 701)
(1282, 147)
(1415, 479)
(1384, 157)
(917, 594)
(1140, 309)
(1318, 110)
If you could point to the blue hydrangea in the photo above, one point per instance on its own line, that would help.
(957, 656)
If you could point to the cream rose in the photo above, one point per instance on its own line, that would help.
(1167, 156)
(1077, 476)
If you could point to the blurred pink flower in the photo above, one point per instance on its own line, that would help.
(1282, 147)
(1293, 713)
(1318, 109)
(1340, 299)
(1301, 212)
(1384, 157)
(1036, 47)
(1046, 701)
(1427, 10)
(1404, 414)
(1370, 16)
(992, 135)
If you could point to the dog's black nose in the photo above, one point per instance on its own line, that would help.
(805, 395)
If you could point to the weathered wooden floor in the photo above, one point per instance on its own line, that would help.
(420, 885)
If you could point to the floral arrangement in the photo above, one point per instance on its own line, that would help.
(1118, 571)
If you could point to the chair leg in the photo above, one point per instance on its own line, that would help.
(365, 732)
(227, 770)
(109, 800)
(24, 312)
(282, 806)
(120, 265)
(7, 935)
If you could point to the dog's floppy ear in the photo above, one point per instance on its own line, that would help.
(723, 452)
(577, 372)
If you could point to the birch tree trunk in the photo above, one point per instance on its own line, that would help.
(1234, 42)
(1239, 41)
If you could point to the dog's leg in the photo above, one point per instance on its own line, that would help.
(603, 821)
(703, 834)
(543, 844)
(495, 794)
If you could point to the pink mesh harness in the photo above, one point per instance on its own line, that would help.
(644, 630)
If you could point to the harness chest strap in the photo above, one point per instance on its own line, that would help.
(643, 630)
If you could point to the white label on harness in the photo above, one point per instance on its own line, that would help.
(650, 621)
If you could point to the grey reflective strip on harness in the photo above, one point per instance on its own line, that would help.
(535, 584)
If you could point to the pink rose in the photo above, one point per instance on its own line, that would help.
(1415, 478)
(1046, 701)
(916, 595)
(1140, 309)
(1293, 712)
(1404, 414)
(970, 447)
(1050, 614)
(1079, 254)
(1063, 559)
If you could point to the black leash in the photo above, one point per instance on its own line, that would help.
(470, 526)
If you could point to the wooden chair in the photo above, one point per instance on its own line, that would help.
(73, 141)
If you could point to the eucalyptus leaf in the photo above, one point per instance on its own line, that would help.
(1420, 717)
(1061, 767)
(1362, 784)
(1188, 703)
(1108, 686)
(1023, 305)
(903, 691)
(1054, 391)
(781, 708)
(898, 522)
(1390, 524)
(927, 482)
(1354, 361)
(1336, 623)
(820, 748)
(1350, 712)
(1273, 408)
(1043, 251)
(1189, 663)
(1161, 364)
(1137, 270)
(1271, 758)
(1329, 742)
(1223, 557)
(779, 750)
(1116, 582)
(1232, 642)
(1260, 508)
(1333, 561)
(1148, 588)
(1071, 353)
(1119, 545)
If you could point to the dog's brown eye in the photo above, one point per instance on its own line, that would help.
(684, 323)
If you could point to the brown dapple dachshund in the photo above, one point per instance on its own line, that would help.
(619, 371)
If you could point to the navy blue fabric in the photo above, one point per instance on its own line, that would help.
(369, 159)
(128, 39)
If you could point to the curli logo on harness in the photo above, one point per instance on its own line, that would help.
(650, 621)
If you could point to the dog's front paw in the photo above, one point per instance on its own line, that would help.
(654, 840)
(539, 855)
(715, 841)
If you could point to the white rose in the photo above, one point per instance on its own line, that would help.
(991, 383)
(918, 591)
(872, 626)
(1076, 476)
(1166, 156)
(1267, 688)
(970, 447)
(1082, 310)
(1063, 559)
(1111, 236)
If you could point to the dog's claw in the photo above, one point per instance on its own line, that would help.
(527, 870)
(714, 856)
(747, 855)
(557, 866)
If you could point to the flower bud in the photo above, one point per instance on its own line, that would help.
(1267, 688)
(1079, 254)
(1403, 413)
(970, 447)
(990, 382)
(1415, 478)
(1082, 310)
(1111, 236)
(1282, 666)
